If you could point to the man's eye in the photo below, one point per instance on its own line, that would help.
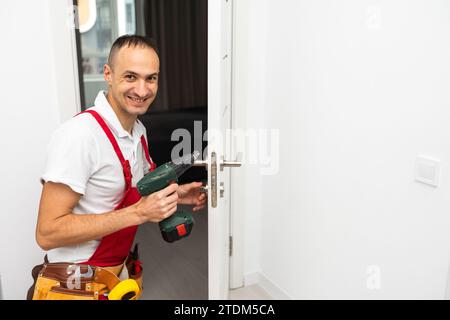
(153, 78)
(130, 77)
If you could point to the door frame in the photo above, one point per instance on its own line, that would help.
(234, 277)
(219, 106)
(65, 56)
(237, 177)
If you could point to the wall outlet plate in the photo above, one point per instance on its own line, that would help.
(428, 170)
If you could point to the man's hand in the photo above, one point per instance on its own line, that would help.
(190, 194)
(159, 205)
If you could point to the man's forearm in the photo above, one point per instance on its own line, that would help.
(58, 226)
(72, 229)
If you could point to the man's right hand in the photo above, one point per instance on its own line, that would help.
(159, 205)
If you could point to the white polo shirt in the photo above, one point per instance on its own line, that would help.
(81, 157)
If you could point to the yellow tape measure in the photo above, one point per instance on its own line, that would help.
(125, 290)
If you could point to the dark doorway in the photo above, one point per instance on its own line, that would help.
(178, 28)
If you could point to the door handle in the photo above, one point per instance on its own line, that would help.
(231, 163)
(212, 190)
(225, 163)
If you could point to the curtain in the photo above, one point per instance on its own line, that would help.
(179, 30)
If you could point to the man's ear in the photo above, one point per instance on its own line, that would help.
(107, 74)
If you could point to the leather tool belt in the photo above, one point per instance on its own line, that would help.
(69, 281)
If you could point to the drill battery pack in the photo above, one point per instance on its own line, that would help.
(177, 227)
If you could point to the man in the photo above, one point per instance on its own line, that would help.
(90, 208)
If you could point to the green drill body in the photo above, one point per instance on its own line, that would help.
(178, 225)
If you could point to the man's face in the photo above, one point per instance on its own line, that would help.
(133, 79)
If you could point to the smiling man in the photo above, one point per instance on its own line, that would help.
(132, 76)
(90, 208)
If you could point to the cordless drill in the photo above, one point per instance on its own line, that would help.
(178, 225)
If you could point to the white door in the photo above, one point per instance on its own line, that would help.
(219, 121)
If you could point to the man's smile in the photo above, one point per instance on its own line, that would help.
(138, 100)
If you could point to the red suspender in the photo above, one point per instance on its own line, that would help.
(125, 163)
(147, 154)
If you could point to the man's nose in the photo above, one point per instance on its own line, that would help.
(143, 89)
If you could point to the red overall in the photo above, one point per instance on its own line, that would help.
(114, 248)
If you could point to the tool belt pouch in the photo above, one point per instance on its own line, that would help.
(60, 282)
(65, 281)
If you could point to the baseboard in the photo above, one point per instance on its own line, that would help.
(269, 286)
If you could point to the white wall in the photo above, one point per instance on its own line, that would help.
(356, 100)
(33, 33)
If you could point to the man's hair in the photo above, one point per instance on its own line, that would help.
(129, 41)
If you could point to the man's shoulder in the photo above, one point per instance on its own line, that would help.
(80, 126)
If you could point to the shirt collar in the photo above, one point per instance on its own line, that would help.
(106, 111)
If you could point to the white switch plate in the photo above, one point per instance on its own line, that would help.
(428, 170)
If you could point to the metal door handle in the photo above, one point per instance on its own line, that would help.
(212, 190)
(232, 163)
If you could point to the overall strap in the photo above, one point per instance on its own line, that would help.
(147, 154)
(125, 163)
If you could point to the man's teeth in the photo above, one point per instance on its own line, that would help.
(137, 99)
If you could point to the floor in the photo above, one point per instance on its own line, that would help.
(254, 292)
(178, 270)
